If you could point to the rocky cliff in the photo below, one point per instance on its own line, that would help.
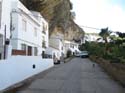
(57, 13)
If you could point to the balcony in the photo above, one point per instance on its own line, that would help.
(44, 44)
(44, 32)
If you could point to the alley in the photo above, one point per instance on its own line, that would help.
(77, 76)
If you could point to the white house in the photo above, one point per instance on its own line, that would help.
(72, 46)
(45, 32)
(26, 30)
(30, 30)
(56, 46)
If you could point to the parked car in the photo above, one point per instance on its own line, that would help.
(83, 54)
(77, 55)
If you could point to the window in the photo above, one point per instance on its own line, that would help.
(35, 51)
(43, 38)
(24, 25)
(35, 31)
(44, 28)
(62, 48)
(23, 46)
(43, 42)
(71, 45)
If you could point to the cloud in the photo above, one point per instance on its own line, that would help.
(99, 14)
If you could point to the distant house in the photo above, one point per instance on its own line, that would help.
(72, 46)
(90, 37)
(56, 46)
(26, 30)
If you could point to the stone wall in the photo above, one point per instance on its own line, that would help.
(115, 70)
(57, 13)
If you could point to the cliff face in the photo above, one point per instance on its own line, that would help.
(57, 13)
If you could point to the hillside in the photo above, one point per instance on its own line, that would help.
(57, 13)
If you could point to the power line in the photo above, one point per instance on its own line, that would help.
(96, 28)
(90, 27)
(31, 14)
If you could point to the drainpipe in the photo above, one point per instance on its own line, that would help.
(5, 42)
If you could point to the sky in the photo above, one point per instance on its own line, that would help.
(100, 14)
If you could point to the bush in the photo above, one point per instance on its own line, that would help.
(107, 51)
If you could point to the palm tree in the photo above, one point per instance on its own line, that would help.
(105, 33)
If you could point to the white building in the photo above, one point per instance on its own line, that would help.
(27, 31)
(72, 46)
(5, 10)
(56, 46)
(90, 37)
(45, 32)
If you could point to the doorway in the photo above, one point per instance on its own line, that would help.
(29, 50)
(43, 54)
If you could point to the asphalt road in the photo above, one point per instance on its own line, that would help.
(76, 76)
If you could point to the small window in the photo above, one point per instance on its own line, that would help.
(62, 48)
(44, 28)
(35, 51)
(71, 45)
(43, 38)
(24, 25)
(35, 31)
(23, 46)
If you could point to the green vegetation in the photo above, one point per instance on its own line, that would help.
(113, 50)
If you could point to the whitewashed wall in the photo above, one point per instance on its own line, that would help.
(19, 68)
(5, 22)
(5, 18)
(25, 37)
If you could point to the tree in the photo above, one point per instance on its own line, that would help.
(121, 37)
(120, 34)
(105, 33)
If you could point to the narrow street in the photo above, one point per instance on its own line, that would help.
(77, 76)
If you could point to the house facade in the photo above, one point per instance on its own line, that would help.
(30, 31)
(26, 30)
(56, 46)
(72, 46)
(5, 10)
(45, 32)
